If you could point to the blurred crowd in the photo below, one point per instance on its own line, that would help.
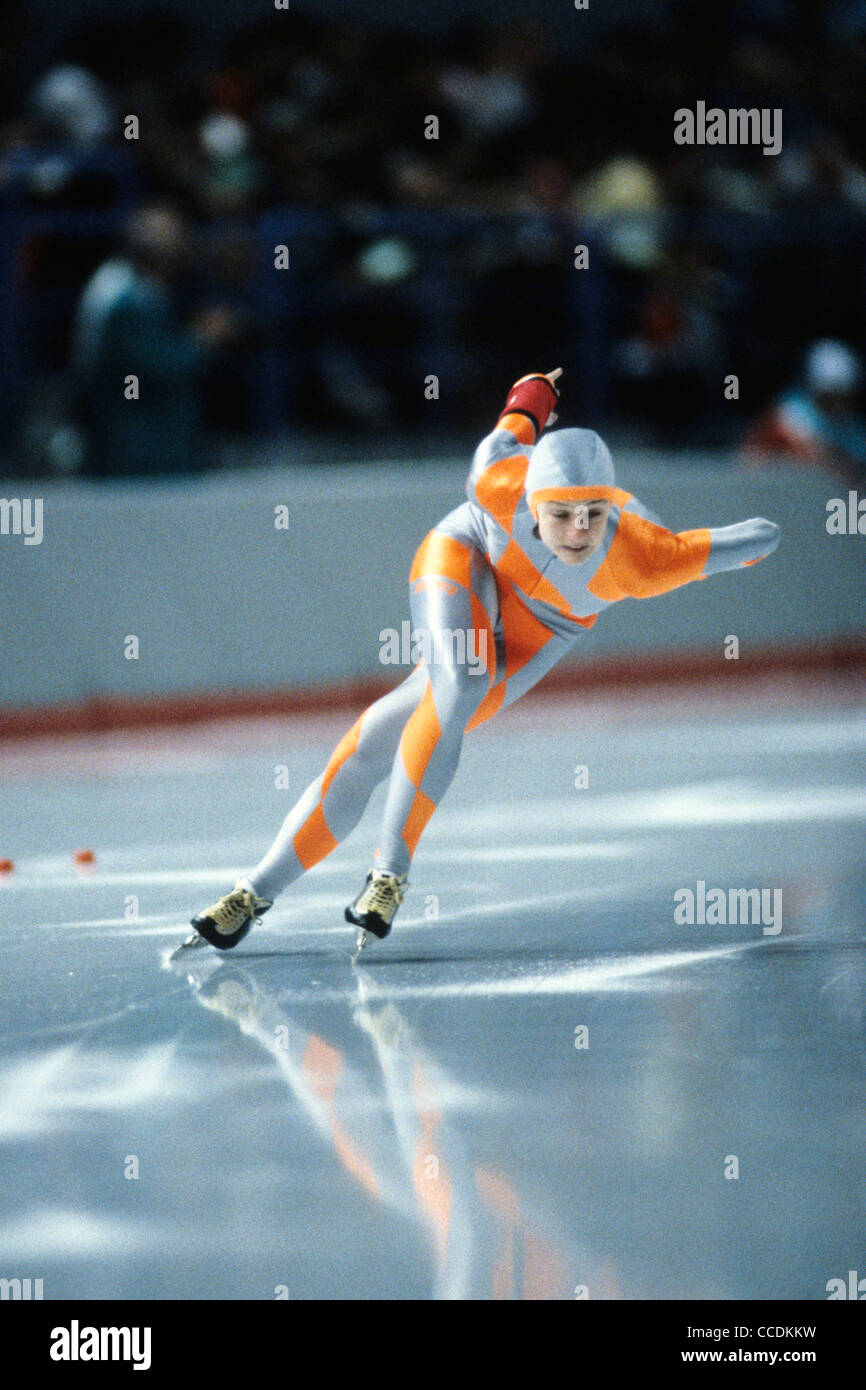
(304, 111)
(534, 140)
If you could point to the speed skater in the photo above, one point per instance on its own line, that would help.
(544, 543)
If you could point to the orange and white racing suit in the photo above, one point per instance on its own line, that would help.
(498, 610)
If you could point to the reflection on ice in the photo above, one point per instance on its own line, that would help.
(391, 1117)
(49, 1091)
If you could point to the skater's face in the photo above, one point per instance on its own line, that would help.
(573, 530)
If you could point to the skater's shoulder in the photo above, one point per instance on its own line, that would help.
(500, 443)
(645, 558)
(497, 480)
(630, 509)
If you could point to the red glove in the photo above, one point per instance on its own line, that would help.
(534, 396)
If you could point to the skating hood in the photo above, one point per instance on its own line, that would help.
(569, 466)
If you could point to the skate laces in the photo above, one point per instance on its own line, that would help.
(233, 910)
(384, 893)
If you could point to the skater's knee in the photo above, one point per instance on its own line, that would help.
(457, 691)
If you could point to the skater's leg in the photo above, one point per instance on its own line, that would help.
(454, 606)
(333, 804)
(454, 703)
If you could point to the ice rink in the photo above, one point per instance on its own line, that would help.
(542, 1085)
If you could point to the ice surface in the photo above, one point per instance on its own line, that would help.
(427, 1124)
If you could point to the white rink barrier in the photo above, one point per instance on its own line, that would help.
(284, 578)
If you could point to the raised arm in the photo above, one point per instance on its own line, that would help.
(528, 409)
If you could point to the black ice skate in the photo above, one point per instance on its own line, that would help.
(375, 907)
(229, 920)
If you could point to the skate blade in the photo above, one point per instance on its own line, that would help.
(361, 938)
(192, 943)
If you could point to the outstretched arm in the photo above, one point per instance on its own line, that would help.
(646, 559)
(744, 543)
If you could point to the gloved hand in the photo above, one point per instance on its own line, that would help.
(535, 395)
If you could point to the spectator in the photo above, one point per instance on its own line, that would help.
(73, 108)
(668, 366)
(816, 421)
(128, 324)
(319, 131)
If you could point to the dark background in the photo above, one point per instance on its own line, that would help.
(454, 256)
